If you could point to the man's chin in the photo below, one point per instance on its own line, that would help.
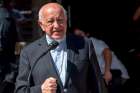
(58, 39)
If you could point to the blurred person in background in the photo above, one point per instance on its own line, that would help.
(114, 72)
(8, 37)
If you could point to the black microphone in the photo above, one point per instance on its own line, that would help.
(51, 46)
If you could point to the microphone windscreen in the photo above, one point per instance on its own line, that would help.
(53, 45)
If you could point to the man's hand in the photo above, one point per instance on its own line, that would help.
(49, 85)
(107, 76)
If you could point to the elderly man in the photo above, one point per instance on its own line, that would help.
(64, 69)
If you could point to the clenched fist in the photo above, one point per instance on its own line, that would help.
(49, 85)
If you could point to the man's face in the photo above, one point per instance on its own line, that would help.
(54, 23)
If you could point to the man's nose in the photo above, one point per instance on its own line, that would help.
(56, 24)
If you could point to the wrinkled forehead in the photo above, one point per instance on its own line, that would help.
(55, 11)
(52, 9)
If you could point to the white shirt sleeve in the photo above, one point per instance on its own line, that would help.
(99, 46)
(117, 64)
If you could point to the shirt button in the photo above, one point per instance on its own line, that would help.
(65, 90)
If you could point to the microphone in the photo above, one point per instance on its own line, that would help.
(51, 46)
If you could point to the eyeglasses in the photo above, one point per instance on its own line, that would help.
(51, 21)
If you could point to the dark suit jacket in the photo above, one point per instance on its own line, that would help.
(80, 76)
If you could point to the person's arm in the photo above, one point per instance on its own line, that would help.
(108, 60)
(96, 82)
(21, 81)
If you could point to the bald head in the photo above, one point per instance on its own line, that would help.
(53, 20)
(47, 8)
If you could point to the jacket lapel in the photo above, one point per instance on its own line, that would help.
(70, 57)
(71, 49)
(43, 51)
(52, 68)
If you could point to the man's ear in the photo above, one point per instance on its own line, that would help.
(41, 25)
